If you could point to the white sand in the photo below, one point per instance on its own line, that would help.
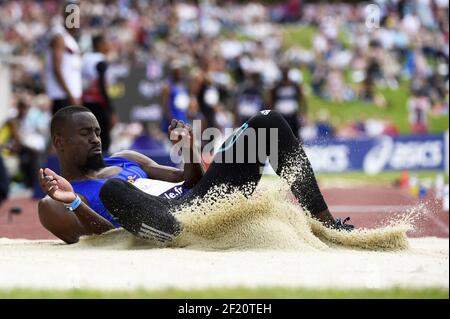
(264, 240)
(49, 264)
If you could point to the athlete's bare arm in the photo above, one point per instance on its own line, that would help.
(60, 221)
(192, 171)
(153, 169)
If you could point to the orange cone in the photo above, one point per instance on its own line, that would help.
(404, 179)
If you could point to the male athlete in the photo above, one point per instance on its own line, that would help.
(94, 195)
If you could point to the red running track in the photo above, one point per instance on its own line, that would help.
(368, 206)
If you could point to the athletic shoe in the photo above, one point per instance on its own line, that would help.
(341, 224)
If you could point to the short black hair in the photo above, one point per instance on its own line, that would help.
(61, 117)
(97, 40)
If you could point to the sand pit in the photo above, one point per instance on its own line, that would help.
(49, 264)
(265, 240)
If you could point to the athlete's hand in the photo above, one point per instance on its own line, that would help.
(55, 186)
(180, 131)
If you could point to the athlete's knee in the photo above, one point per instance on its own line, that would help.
(276, 117)
(267, 119)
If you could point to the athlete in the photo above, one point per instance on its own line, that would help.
(63, 64)
(288, 99)
(175, 96)
(75, 134)
(94, 195)
(250, 97)
(95, 95)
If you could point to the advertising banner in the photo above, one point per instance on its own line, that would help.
(374, 155)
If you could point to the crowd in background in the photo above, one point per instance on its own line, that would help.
(223, 61)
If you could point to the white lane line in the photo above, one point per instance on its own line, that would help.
(438, 223)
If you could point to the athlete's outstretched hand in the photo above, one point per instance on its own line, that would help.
(180, 131)
(55, 186)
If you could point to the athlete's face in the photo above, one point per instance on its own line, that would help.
(80, 142)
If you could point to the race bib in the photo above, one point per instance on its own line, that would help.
(160, 188)
(248, 108)
(182, 101)
(286, 106)
(212, 96)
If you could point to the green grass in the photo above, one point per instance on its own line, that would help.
(439, 124)
(232, 293)
(303, 35)
(383, 178)
(359, 178)
(396, 109)
(298, 36)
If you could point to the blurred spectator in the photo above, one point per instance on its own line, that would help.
(150, 140)
(206, 91)
(359, 127)
(372, 74)
(95, 95)
(288, 11)
(419, 106)
(249, 97)
(324, 127)
(374, 127)
(288, 99)
(4, 181)
(63, 65)
(28, 139)
(318, 80)
(308, 131)
(390, 128)
(175, 96)
(218, 43)
(335, 86)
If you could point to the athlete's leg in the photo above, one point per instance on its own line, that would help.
(286, 156)
(292, 120)
(234, 166)
(141, 214)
